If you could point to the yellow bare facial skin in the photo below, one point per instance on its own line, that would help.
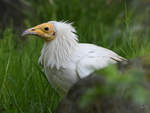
(46, 31)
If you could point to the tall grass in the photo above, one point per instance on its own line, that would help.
(23, 87)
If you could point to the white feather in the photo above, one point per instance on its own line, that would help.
(65, 61)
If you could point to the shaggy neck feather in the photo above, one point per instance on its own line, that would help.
(59, 51)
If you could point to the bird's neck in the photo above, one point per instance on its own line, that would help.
(58, 51)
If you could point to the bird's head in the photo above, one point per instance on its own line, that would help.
(52, 29)
(46, 31)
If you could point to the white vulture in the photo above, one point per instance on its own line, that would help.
(64, 59)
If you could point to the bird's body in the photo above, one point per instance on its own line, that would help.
(65, 60)
(82, 61)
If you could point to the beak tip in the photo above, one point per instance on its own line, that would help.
(27, 32)
(24, 33)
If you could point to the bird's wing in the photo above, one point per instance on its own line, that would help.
(96, 58)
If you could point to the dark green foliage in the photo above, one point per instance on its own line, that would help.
(129, 85)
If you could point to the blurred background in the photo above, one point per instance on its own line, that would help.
(100, 21)
(120, 25)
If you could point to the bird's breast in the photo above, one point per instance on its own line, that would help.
(62, 78)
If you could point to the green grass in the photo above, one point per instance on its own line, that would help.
(23, 87)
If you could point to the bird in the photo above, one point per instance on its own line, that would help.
(64, 59)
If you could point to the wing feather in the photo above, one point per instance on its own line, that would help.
(96, 58)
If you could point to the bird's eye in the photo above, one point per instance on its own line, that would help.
(46, 28)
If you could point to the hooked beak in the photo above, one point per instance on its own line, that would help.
(33, 31)
(30, 31)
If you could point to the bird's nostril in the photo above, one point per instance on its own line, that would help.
(32, 29)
